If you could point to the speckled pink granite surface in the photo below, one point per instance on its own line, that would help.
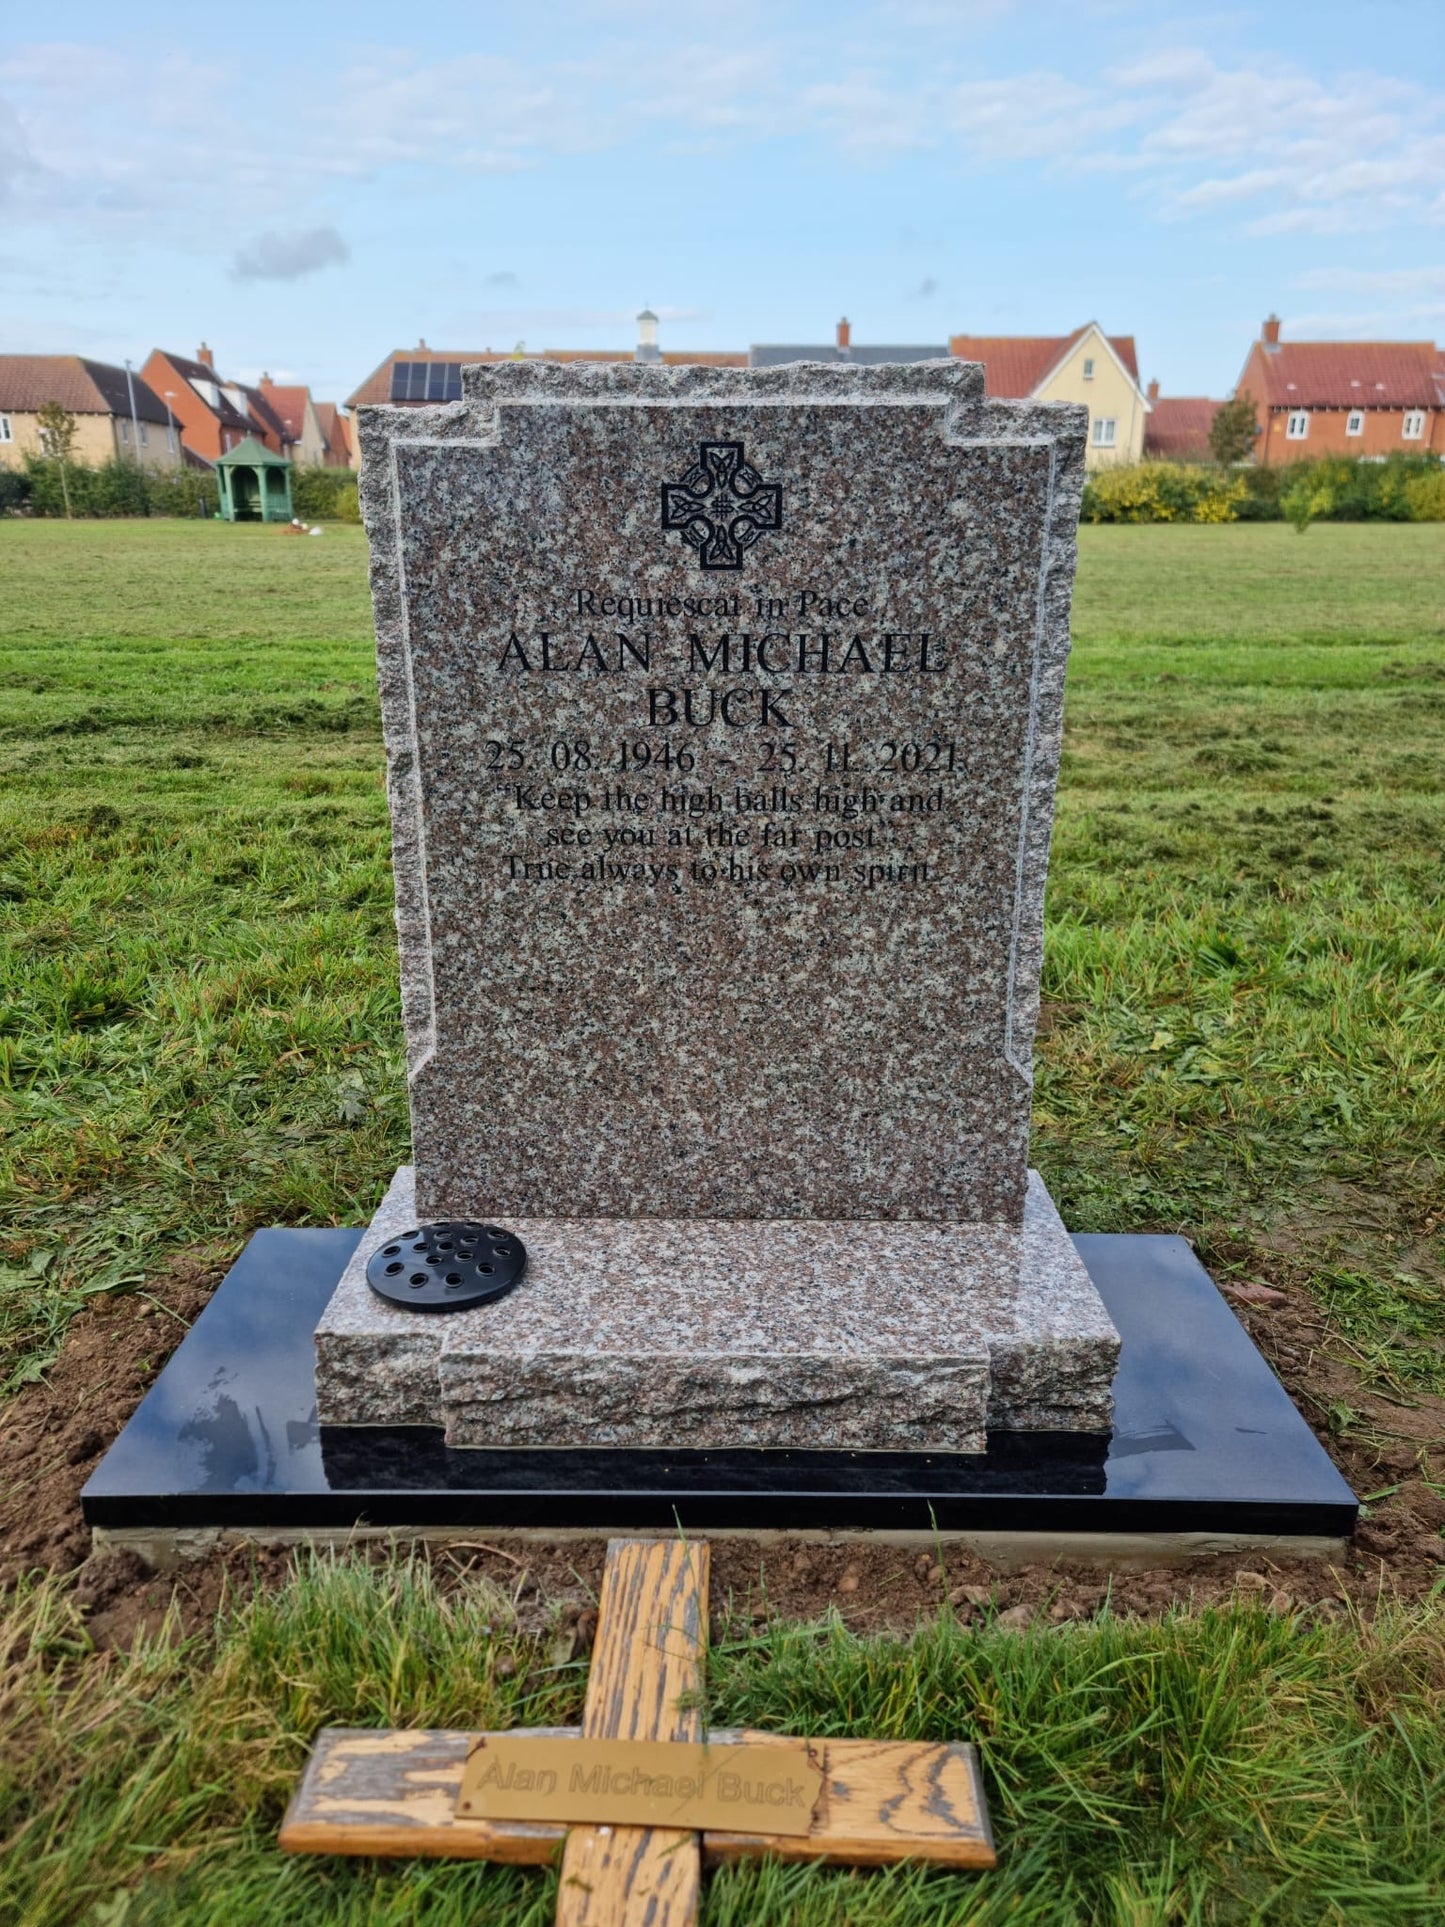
(673, 1332)
(723, 712)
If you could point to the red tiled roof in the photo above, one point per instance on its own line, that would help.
(264, 416)
(288, 404)
(1177, 428)
(1014, 365)
(333, 426)
(224, 410)
(81, 387)
(1348, 374)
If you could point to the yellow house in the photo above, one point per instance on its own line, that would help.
(1100, 370)
(116, 414)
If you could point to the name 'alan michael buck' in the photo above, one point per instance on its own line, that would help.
(890, 652)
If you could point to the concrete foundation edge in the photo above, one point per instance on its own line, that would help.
(166, 1549)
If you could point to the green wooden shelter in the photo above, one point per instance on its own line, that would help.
(255, 484)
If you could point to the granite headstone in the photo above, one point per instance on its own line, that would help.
(723, 712)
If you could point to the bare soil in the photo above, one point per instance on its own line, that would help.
(55, 1432)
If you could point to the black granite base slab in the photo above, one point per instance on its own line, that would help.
(1205, 1439)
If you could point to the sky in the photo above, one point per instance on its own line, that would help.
(309, 187)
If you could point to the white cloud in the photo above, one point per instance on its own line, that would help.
(1386, 299)
(108, 139)
(286, 257)
(1314, 156)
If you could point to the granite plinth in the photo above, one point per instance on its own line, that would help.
(1206, 1446)
(658, 1333)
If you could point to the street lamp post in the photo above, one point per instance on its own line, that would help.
(171, 444)
(134, 424)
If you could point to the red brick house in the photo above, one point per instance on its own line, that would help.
(1178, 427)
(336, 429)
(215, 415)
(1371, 398)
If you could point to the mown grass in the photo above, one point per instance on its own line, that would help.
(199, 1033)
(1230, 1766)
(199, 1027)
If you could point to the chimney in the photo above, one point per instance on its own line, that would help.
(1269, 333)
(647, 348)
(845, 334)
(1152, 392)
(204, 354)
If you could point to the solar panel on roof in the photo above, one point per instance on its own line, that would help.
(426, 381)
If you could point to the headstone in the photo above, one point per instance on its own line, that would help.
(723, 712)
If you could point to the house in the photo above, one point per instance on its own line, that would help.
(294, 409)
(337, 431)
(841, 349)
(215, 415)
(1178, 427)
(1100, 370)
(117, 414)
(1370, 398)
(315, 429)
(412, 376)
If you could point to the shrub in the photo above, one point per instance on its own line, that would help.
(1426, 497)
(14, 490)
(118, 488)
(1162, 492)
(1261, 494)
(316, 493)
(348, 504)
(184, 491)
(1335, 488)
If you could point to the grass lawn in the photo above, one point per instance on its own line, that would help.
(1245, 1033)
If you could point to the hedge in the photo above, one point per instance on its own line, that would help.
(325, 494)
(1403, 488)
(121, 488)
(115, 488)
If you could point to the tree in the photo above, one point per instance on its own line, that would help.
(58, 430)
(1233, 431)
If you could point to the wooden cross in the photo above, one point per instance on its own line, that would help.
(395, 1793)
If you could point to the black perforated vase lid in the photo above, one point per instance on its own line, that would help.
(446, 1267)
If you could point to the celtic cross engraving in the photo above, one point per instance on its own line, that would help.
(722, 505)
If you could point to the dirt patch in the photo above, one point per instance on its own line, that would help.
(1388, 1439)
(55, 1432)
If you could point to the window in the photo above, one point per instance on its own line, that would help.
(426, 381)
(124, 429)
(5, 434)
(145, 436)
(1089, 369)
(1298, 425)
(1104, 429)
(1414, 424)
(1355, 422)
